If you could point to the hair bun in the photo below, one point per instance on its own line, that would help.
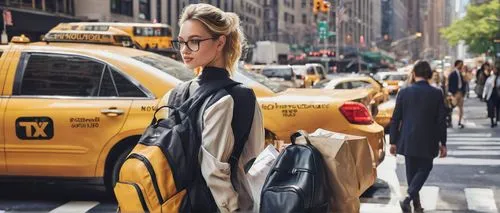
(233, 21)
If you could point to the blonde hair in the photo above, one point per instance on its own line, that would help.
(218, 23)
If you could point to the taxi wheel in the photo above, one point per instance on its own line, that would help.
(113, 171)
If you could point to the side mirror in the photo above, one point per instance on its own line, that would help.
(299, 76)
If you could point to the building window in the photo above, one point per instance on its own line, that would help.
(158, 11)
(38, 4)
(145, 9)
(286, 17)
(61, 6)
(124, 7)
(304, 18)
(27, 3)
(292, 18)
(304, 3)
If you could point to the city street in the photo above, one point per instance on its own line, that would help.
(467, 180)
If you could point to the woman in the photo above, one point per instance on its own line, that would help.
(481, 76)
(435, 80)
(492, 98)
(211, 40)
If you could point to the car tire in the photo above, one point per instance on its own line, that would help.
(112, 174)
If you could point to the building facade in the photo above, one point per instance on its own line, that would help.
(394, 19)
(34, 18)
(363, 22)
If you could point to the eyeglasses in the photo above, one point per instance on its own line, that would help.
(193, 45)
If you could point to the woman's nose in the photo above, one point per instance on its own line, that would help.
(185, 49)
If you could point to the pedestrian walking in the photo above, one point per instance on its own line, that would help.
(467, 74)
(491, 94)
(418, 131)
(481, 76)
(212, 40)
(457, 87)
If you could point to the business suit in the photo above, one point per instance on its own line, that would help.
(453, 83)
(417, 127)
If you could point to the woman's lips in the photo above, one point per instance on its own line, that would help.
(187, 60)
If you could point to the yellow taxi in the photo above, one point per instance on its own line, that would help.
(74, 110)
(309, 109)
(377, 93)
(393, 81)
(384, 114)
(311, 74)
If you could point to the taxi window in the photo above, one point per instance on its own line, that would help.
(125, 87)
(344, 85)
(310, 71)
(108, 88)
(285, 73)
(167, 65)
(59, 75)
(360, 84)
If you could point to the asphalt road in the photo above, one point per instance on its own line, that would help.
(467, 181)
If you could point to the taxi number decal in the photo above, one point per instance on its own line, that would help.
(34, 128)
(294, 107)
(289, 113)
(86, 123)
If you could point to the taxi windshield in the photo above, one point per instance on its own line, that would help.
(274, 86)
(395, 78)
(167, 65)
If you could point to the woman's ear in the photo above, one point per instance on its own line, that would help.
(221, 42)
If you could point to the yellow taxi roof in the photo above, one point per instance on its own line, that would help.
(86, 48)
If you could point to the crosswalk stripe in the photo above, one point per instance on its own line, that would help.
(472, 143)
(75, 207)
(480, 200)
(429, 197)
(467, 161)
(473, 152)
(480, 147)
(474, 139)
(377, 208)
(469, 134)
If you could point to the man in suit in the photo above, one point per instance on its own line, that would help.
(457, 87)
(418, 131)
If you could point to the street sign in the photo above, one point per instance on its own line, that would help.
(323, 29)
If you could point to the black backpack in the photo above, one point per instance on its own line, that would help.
(162, 173)
(296, 182)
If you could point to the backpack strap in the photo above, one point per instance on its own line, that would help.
(205, 90)
(244, 108)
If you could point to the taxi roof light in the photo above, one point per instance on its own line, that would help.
(356, 113)
(20, 39)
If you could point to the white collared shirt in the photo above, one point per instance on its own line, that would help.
(459, 79)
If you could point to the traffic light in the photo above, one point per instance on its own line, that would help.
(325, 7)
(317, 6)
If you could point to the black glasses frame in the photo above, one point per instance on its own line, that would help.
(178, 45)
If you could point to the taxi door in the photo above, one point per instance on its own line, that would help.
(63, 109)
(4, 63)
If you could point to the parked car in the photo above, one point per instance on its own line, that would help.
(282, 74)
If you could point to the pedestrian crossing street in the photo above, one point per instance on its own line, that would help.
(464, 149)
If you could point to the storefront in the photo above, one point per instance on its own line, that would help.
(32, 23)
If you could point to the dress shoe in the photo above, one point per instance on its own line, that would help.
(417, 206)
(405, 206)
